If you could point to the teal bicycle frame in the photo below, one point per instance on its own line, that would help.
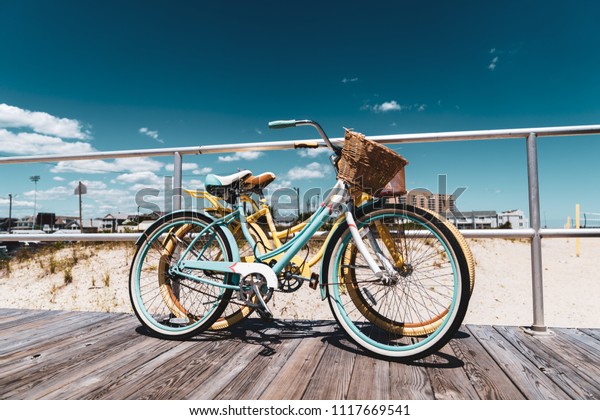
(328, 209)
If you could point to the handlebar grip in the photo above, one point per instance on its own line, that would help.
(283, 124)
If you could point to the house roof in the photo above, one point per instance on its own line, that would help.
(115, 216)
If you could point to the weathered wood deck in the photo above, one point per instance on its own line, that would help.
(84, 355)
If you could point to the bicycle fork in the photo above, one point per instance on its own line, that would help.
(384, 261)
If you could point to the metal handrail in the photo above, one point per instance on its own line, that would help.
(535, 233)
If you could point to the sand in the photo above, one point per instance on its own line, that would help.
(502, 294)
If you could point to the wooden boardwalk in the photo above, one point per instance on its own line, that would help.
(85, 355)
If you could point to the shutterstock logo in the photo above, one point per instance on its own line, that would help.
(287, 203)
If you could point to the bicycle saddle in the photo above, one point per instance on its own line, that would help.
(259, 181)
(225, 181)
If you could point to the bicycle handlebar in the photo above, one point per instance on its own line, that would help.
(295, 123)
(282, 124)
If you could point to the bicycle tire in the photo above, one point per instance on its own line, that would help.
(173, 306)
(382, 318)
(426, 326)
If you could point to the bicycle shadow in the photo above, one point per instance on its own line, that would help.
(259, 332)
(443, 359)
(268, 334)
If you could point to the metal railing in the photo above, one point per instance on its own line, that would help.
(535, 233)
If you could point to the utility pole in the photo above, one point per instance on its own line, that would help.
(34, 179)
(81, 189)
(297, 200)
(10, 197)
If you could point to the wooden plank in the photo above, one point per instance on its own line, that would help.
(409, 382)
(551, 356)
(448, 379)
(225, 372)
(7, 316)
(489, 380)
(370, 379)
(75, 363)
(253, 381)
(524, 374)
(197, 370)
(150, 360)
(50, 348)
(332, 375)
(298, 371)
(8, 312)
(22, 335)
(582, 350)
(23, 323)
(96, 355)
(595, 333)
(63, 326)
(585, 343)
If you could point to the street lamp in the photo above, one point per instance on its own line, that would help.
(10, 198)
(34, 179)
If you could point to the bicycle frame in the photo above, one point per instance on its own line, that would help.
(287, 251)
(264, 210)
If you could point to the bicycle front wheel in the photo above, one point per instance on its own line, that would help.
(172, 303)
(422, 299)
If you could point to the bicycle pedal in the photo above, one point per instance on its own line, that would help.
(314, 281)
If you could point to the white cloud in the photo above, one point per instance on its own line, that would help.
(240, 156)
(145, 177)
(91, 185)
(39, 144)
(41, 122)
(494, 63)
(100, 166)
(313, 153)
(349, 80)
(16, 203)
(55, 193)
(151, 133)
(59, 178)
(312, 170)
(393, 106)
(203, 171)
(184, 167)
(387, 106)
(24, 132)
(194, 184)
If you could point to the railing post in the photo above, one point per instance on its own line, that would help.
(538, 326)
(177, 191)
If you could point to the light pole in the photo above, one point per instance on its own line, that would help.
(34, 179)
(81, 189)
(297, 200)
(10, 197)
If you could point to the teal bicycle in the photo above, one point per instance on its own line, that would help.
(396, 276)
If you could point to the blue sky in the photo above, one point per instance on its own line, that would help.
(82, 76)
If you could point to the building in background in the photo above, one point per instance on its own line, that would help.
(488, 219)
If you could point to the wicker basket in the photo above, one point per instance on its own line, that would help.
(368, 167)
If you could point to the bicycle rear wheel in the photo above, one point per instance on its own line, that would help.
(413, 311)
(169, 303)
